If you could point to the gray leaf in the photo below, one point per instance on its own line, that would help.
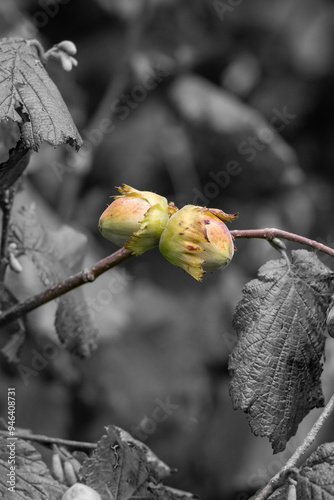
(276, 364)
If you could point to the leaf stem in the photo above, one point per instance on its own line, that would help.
(81, 278)
(270, 233)
(278, 479)
(51, 440)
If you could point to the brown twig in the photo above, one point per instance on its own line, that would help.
(51, 440)
(278, 479)
(65, 286)
(270, 233)
(121, 255)
(6, 202)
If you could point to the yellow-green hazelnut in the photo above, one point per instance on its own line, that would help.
(197, 240)
(135, 219)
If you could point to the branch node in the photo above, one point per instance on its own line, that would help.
(88, 276)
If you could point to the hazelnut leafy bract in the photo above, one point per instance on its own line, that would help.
(193, 238)
(197, 240)
(135, 219)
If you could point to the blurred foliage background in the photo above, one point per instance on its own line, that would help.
(204, 102)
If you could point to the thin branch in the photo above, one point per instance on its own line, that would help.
(121, 255)
(278, 479)
(81, 278)
(270, 233)
(51, 440)
(6, 202)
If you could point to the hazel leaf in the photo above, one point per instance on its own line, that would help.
(315, 481)
(33, 480)
(122, 469)
(29, 97)
(276, 364)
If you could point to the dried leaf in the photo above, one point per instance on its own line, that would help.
(119, 468)
(276, 364)
(33, 480)
(29, 97)
(56, 256)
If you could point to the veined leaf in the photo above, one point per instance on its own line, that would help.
(276, 364)
(122, 469)
(29, 97)
(315, 480)
(33, 480)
